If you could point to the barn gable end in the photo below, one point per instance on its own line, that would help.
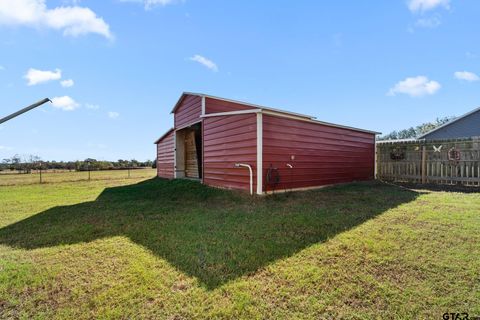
(187, 111)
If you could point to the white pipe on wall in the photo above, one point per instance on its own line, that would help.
(238, 165)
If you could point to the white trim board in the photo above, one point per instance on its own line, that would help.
(259, 153)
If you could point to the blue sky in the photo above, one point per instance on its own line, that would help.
(379, 65)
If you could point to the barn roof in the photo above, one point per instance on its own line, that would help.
(269, 109)
(163, 136)
(463, 128)
(256, 106)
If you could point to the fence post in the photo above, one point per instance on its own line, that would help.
(375, 168)
(424, 164)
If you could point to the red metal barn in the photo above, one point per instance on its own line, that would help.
(231, 144)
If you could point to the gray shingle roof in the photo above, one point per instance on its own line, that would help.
(465, 126)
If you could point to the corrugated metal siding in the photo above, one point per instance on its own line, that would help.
(323, 155)
(216, 106)
(188, 112)
(165, 156)
(228, 140)
(463, 128)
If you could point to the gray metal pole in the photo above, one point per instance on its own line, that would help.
(19, 112)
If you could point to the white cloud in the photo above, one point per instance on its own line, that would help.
(5, 148)
(205, 62)
(92, 106)
(113, 114)
(149, 4)
(72, 20)
(35, 76)
(467, 76)
(65, 103)
(415, 87)
(426, 5)
(431, 22)
(67, 83)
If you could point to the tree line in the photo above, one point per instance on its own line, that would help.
(414, 132)
(26, 164)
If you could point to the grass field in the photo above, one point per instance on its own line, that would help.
(66, 176)
(136, 248)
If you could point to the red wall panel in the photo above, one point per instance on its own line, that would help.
(323, 154)
(188, 112)
(165, 156)
(215, 106)
(228, 140)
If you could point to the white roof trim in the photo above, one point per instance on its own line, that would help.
(449, 122)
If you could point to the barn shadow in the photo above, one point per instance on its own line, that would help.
(214, 235)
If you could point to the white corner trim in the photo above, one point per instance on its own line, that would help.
(203, 105)
(259, 153)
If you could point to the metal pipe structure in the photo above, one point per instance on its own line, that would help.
(19, 112)
(238, 165)
(291, 176)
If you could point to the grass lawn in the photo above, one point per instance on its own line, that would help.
(180, 250)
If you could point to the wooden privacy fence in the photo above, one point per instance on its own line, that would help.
(433, 161)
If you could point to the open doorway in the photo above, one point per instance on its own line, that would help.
(188, 149)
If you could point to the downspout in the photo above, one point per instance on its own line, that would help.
(238, 165)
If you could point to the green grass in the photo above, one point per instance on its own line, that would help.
(179, 250)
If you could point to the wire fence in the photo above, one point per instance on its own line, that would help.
(58, 176)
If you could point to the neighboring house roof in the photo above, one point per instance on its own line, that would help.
(163, 136)
(465, 126)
